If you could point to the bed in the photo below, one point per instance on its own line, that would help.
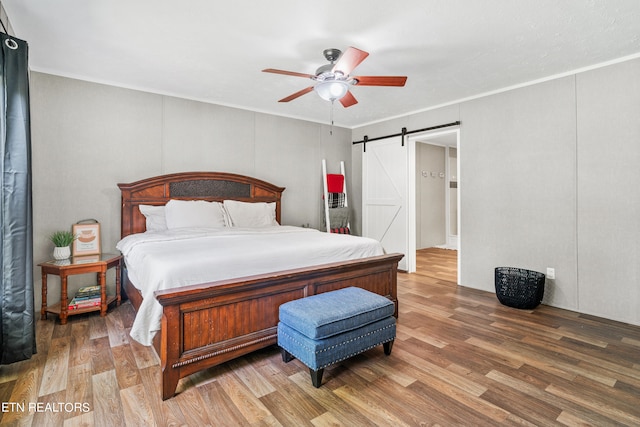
(204, 324)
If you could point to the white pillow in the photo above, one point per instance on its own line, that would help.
(156, 220)
(194, 213)
(246, 214)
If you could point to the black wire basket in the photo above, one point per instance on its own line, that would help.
(519, 288)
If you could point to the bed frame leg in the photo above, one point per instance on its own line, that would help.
(169, 384)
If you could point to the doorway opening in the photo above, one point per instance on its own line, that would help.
(433, 204)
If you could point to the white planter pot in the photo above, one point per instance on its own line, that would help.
(62, 252)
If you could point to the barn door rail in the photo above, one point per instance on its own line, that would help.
(403, 133)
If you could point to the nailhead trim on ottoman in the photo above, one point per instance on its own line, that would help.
(324, 329)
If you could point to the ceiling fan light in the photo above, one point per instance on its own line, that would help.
(331, 90)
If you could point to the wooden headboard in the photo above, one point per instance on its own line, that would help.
(210, 186)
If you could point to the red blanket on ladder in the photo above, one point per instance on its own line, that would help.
(335, 183)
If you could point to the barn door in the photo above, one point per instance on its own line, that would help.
(384, 195)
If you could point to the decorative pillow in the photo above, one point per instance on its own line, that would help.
(247, 214)
(156, 220)
(194, 213)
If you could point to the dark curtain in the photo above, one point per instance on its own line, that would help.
(17, 326)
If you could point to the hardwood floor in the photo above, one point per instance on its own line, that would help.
(460, 358)
(438, 263)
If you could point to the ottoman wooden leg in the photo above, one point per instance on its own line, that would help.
(286, 356)
(387, 347)
(316, 377)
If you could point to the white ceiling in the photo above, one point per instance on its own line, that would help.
(214, 51)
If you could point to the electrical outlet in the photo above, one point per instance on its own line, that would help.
(551, 273)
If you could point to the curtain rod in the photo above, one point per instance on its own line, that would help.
(402, 134)
(2, 23)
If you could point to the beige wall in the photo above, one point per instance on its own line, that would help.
(430, 196)
(518, 186)
(608, 202)
(88, 137)
(548, 178)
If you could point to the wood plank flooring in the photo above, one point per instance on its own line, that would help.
(438, 263)
(460, 358)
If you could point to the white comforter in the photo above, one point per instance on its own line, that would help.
(182, 257)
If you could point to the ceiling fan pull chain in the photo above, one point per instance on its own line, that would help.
(331, 117)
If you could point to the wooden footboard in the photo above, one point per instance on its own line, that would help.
(208, 324)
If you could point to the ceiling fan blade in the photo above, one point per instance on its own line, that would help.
(381, 80)
(349, 60)
(348, 100)
(287, 73)
(297, 94)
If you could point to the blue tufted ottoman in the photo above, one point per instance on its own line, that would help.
(324, 329)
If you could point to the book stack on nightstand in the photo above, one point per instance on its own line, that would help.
(87, 296)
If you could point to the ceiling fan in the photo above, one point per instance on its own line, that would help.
(333, 80)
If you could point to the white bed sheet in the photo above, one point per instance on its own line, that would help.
(182, 257)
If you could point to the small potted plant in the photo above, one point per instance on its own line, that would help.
(62, 241)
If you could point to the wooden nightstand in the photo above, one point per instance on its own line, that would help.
(98, 264)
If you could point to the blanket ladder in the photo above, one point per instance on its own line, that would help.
(336, 207)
